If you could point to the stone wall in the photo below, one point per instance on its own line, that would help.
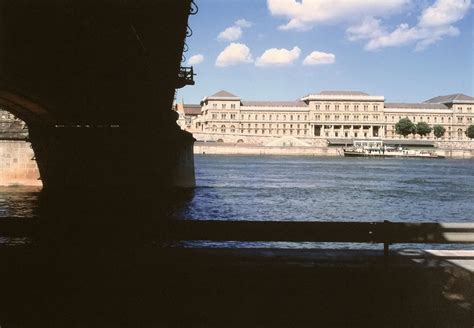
(259, 140)
(247, 149)
(456, 145)
(17, 164)
(239, 149)
(456, 153)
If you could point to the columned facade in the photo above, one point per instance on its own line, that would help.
(329, 115)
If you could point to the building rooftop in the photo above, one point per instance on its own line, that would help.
(416, 105)
(457, 97)
(296, 103)
(342, 93)
(192, 109)
(223, 94)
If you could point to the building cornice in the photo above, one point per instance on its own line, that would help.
(418, 110)
(361, 98)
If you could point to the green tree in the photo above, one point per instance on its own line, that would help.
(404, 127)
(439, 131)
(470, 131)
(423, 129)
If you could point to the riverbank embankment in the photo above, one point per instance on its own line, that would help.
(218, 148)
(17, 164)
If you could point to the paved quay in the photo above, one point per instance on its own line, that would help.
(189, 287)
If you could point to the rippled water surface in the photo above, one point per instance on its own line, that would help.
(312, 188)
(19, 201)
(307, 189)
(331, 188)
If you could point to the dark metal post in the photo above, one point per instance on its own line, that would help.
(385, 249)
(386, 244)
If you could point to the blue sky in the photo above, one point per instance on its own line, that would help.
(406, 50)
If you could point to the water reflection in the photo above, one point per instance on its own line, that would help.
(19, 201)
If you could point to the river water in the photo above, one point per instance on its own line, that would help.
(311, 189)
(331, 189)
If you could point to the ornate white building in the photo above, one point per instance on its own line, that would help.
(328, 115)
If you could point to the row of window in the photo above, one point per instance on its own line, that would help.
(271, 126)
(262, 117)
(223, 106)
(328, 117)
(346, 107)
(336, 107)
(347, 134)
(469, 109)
(346, 117)
(232, 129)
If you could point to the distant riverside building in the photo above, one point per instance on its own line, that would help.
(329, 115)
(186, 114)
(11, 127)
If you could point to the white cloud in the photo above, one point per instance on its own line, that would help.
(319, 58)
(243, 23)
(369, 28)
(304, 14)
(444, 12)
(196, 59)
(232, 33)
(233, 54)
(278, 57)
(434, 24)
(404, 34)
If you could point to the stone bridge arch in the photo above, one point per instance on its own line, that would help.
(95, 81)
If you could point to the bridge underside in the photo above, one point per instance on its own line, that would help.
(95, 81)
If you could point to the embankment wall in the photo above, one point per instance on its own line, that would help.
(17, 164)
(238, 149)
(243, 149)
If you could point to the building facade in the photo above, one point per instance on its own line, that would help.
(11, 127)
(328, 115)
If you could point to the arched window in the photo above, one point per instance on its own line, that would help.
(460, 134)
(223, 128)
(214, 128)
(232, 129)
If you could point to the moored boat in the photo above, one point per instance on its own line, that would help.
(378, 149)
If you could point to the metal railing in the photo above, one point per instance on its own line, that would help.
(185, 77)
(385, 233)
